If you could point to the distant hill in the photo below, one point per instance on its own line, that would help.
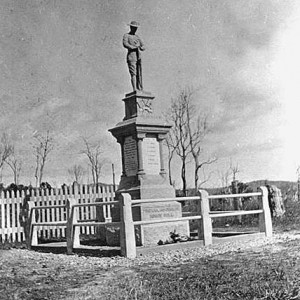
(283, 185)
(288, 188)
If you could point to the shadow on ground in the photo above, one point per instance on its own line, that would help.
(96, 252)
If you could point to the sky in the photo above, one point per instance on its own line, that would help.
(63, 69)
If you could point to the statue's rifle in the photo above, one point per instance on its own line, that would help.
(139, 80)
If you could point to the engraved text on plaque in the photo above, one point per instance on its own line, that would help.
(130, 156)
(151, 158)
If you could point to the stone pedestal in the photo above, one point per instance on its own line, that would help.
(141, 135)
(148, 235)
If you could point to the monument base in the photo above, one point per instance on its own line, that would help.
(145, 187)
(150, 234)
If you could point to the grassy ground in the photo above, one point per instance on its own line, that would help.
(267, 269)
(269, 272)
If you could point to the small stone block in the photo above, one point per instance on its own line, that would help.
(154, 232)
(113, 235)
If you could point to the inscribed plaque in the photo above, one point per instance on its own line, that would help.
(130, 156)
(161, 211)
(151, 157)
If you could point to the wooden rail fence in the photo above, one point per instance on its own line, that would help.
(127, 232)
(128, 247)
(11, 205)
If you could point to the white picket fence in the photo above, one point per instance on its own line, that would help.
(11, 205)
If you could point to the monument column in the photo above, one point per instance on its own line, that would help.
(121, 142)
(140, 137)
(160, 139)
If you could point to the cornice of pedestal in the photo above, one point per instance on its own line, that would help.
(141, 124)
(140, 118)
(139, 94)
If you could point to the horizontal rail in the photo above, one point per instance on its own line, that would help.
(95, 204)
(236, 213)
(87, 220)
(190, 213)
(49, 207)
(194, 198)
(165, 200)
(220, 211)
(166, 220)
(235, 195)
(100, 224)
(76, 205)
(50, 224)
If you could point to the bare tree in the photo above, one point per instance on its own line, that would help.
(44, 144)
(94, 155)
(76, 172)
(187, 135)
(234, 169)
(15, 165)
(237, 202)
(178, 137)
(198, 128)
(205, 177)
(171, 145)
(224, 178)
(6, 149)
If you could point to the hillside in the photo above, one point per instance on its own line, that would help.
(288, 188)
(283, 185)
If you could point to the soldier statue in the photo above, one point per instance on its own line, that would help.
(134, 45)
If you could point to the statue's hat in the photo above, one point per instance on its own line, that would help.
(134, 24)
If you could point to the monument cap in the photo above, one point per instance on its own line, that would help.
(134, 24)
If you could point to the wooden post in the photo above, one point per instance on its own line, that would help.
(26, 217)
(265, 220)
(108, 207)
(2, 216)
(237, 202)
(200, 227)
(72, 231)
(127, 235)
(206, 219)
(32, 235)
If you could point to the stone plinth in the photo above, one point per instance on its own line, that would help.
(150, 234)
(141, 135)
(138, 103)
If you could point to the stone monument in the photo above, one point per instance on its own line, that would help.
(141, 134)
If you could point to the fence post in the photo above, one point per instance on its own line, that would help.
(127, 235)
(265, 220)
(72, 231)
(206, 233)
(27, 216)
(33, 231)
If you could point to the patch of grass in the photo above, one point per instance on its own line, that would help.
(291, 218)
(27, 277)
(9, 245)
(245, 275)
